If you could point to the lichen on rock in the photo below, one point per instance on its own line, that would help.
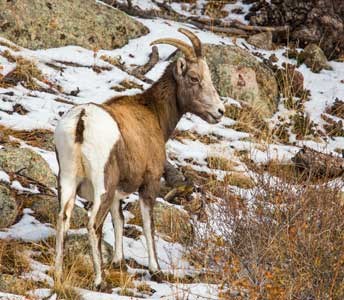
(238, 74)
(28, 163)
(8, 207)
(49, 24)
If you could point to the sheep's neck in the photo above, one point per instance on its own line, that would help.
(162, 100)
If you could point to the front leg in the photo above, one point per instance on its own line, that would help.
(147, 206)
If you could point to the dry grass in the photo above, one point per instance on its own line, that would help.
(239, 179)
(221, 163)
(14, 261)
(78, 271)
(115, 61)
(25, 72)
(248, 119)
(303, 126)
(41, 138)
(288, 244)
(194, 136)
(9, 45)
(337, 109)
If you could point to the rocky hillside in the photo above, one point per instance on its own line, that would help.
(250, 208)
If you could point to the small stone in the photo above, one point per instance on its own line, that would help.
(314, 58)
(273, 58)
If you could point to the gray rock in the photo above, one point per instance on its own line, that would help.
(238, 74)
(29, 163)
(261, 40)
(8, 207)
(315, 59)
(77, 245)
(172, 223)
(54, 23)
(46, 210)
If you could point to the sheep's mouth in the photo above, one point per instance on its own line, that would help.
(212, 119)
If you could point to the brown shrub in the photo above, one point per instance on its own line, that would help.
(285, 242)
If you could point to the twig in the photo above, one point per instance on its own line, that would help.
(227, 30)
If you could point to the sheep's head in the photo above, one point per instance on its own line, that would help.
(195, 90)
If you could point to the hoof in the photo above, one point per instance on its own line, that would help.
(100, 287)
(121, 265)
(157, 276)
(57, 279)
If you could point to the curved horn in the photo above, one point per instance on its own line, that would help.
(196, 42)
(184, 47)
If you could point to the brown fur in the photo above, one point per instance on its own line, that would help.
(146, 121)
(80, 127)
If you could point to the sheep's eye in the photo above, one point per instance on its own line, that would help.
(194, 79)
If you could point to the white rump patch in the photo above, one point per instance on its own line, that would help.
(100, 135)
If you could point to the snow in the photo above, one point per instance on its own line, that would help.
(4, 176)
(8, 296)
(28, 229)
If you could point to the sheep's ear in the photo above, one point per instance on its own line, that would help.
(181, 66)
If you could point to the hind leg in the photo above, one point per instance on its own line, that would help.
(67, 190)
(118, 224)
(93, 237)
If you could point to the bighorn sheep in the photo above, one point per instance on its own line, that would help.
(108, 151)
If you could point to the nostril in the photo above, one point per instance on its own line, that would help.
(221, 112)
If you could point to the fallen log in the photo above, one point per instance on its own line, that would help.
(153, 60)
(238, 25)
(318, 164)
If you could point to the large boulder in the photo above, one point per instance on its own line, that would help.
(238, 74)
(38, 24)
(8, 207)
(78, 247)
(28, 163)
(46, 210)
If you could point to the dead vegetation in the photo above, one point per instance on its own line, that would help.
(248, 119)
(181, 135)
(25, 72)
(14, 262)
(9, 45)
(220, 163)
(41, 138)
(337, 109)
(287, 245)
(127, 84)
